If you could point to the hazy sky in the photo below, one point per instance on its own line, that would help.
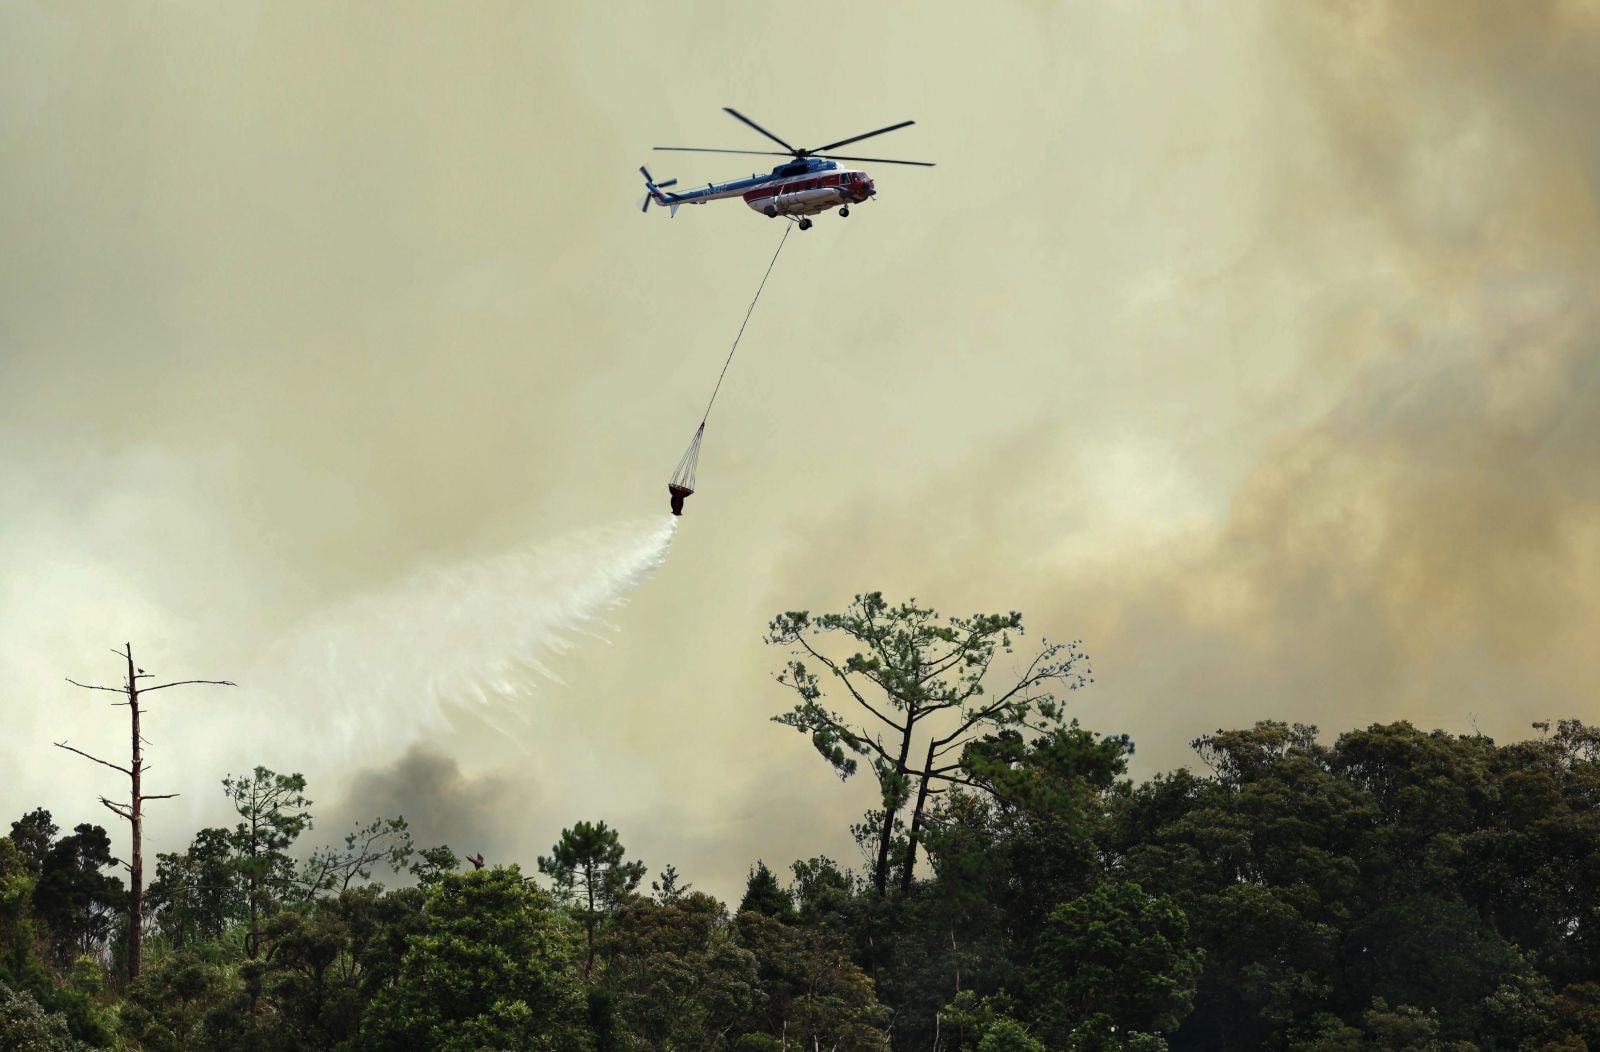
(1256, 345)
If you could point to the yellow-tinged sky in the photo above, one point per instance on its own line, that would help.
(1256, 345)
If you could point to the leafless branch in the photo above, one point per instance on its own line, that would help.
(157, 796)
(120, 810)
(185, 682)
(91, 686)
(96, 759)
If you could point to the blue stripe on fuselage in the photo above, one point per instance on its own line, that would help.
(717, 189)
(739, 186)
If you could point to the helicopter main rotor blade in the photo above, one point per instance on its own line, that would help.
(873, 160)
(858, 138)
(702, 149)
(759, 128)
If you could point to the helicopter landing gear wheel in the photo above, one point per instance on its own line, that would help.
(844, 211)
(805, 224)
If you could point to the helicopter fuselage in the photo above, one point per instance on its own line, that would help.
(810, 182)
(796, 188)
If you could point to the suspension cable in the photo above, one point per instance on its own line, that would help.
(735, 347)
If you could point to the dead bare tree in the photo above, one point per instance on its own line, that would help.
(133, 811)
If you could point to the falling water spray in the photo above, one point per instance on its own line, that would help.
(378, 673)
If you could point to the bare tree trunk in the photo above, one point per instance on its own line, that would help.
(133, 811)
(136, 821)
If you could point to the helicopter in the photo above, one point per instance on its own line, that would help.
(812, 182)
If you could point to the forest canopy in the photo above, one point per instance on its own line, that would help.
(1383, 888)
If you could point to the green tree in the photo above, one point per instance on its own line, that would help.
(433, 864)
(24, 1026)
(1008, 1035)
(489, 967)
(586, 865)
(22, 969)
(327, 963)
(1036, 838)
(812, 993)
(196, 894)
(1402, 1029)
(1578, 1010)
(965, 1022)
(273, 811)
(33, 834)
(1326, 1032)
(676, 976)
(1116, 954)
(165, 1009)
(1265, 857)
(670, 886)
(915, 677)
(1433, 952)
(1529, 862)
(386, 840)
(18, 937)
(76, 901)
(1431, 791)
(824, 894)
(1035, 832)
(763, 894)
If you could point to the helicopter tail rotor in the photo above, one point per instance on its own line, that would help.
(653, 190)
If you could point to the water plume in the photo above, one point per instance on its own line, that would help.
(379, 672)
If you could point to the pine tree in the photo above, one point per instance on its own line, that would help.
(763, 894)
(587, 869)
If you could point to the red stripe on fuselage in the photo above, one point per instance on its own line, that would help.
(810, 182)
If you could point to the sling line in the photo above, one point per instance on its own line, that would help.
(683, 476)
(786, 228)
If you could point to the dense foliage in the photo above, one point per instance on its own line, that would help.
(1390, 889)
